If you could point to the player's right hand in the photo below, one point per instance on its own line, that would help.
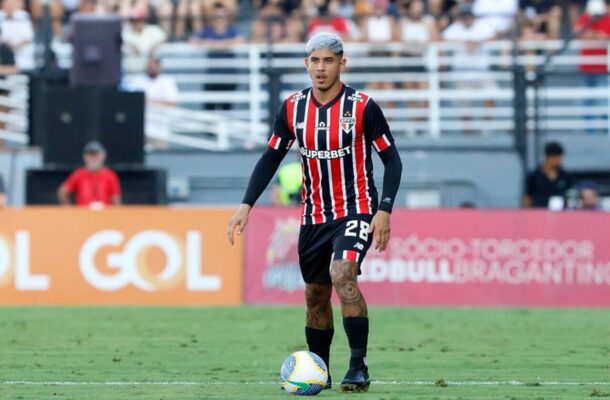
(239, 221)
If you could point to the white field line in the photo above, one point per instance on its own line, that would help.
(202, 383)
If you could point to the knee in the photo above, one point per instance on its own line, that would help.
(342, 271)
(317, 295)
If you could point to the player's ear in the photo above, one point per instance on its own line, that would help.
(342, 64)
(306, 62)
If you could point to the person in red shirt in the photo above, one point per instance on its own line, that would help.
(326, 22)
(591, 27)
(93, 185)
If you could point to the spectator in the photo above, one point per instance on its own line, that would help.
(545, 15)
(56, 11)
(160, 89)
(470, 56)
(326, 21)
(287, 190)
(589, 196)
(497, 13)
(176, 19)
(269, 26)
(93, 185)
(219, 37)
(7, 67)
(379, 27)
(594, 27)
(415, 27)
(141, 40)
(17, 33)
(2, 193)
(471, 31)
(548, 180)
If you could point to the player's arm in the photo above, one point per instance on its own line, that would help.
(376, 127)
(263, 172)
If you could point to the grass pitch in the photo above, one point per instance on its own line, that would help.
(236, 353)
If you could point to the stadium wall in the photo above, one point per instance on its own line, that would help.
(172, 256)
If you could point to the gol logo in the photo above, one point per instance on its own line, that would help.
(15, 264)
(132, 264)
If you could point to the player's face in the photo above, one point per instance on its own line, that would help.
(324, 68)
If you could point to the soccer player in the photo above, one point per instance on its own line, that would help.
(335, 127)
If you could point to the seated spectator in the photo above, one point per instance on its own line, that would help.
(589, 196)
(470, 56)
(379, 27)
(2, 193)
(544, 15)
(56, 11)
(219, 37)
(590, 27)
(141, 40)
(530, 33)
(547, 181)
(174, 20)
(17, 33)
(414, 27)
(7, 67)
(93, 185)
(160, 89)
(326, 21)
(499, 14)
(269, 26)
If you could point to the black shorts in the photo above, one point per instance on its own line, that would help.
(343, 239)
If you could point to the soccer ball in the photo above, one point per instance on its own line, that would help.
(303, 373)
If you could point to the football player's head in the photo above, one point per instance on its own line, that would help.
(325, 60)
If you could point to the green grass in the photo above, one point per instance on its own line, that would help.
(249, 344)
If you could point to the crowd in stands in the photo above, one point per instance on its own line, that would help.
(217, 23)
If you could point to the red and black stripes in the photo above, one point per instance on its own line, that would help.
(336, 155)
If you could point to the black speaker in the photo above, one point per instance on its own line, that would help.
(65, 119)
(139, 186)
(96, 54)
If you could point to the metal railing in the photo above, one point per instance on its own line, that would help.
(439, 91)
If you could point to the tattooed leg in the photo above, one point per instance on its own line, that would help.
(319, 314)
(344, 275)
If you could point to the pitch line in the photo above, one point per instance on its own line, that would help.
(216, 383)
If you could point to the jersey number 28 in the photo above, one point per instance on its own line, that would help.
(352, 226)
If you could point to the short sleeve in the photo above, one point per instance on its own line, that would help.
(73, 180)
(376, 127)
(282, 138)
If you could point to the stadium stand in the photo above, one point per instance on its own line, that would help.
(441, 87)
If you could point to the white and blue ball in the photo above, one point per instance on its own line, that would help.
(303, 373)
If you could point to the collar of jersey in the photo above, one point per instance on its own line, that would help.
(328, 103)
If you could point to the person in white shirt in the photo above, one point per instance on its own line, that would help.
(17, 33)
(140, 40)
(499, 14)
(160, 89)
(469, 57)
(471, 32)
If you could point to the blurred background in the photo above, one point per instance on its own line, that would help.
(473, 92)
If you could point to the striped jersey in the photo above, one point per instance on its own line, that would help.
(335, 141)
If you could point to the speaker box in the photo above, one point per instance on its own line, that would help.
(139, 186)
(96, 55)
(65, 119)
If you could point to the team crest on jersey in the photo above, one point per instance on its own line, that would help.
(347, 122)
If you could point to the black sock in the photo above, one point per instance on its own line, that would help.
(357, 331)
(319, 341)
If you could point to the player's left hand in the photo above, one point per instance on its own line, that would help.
(381, 226)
